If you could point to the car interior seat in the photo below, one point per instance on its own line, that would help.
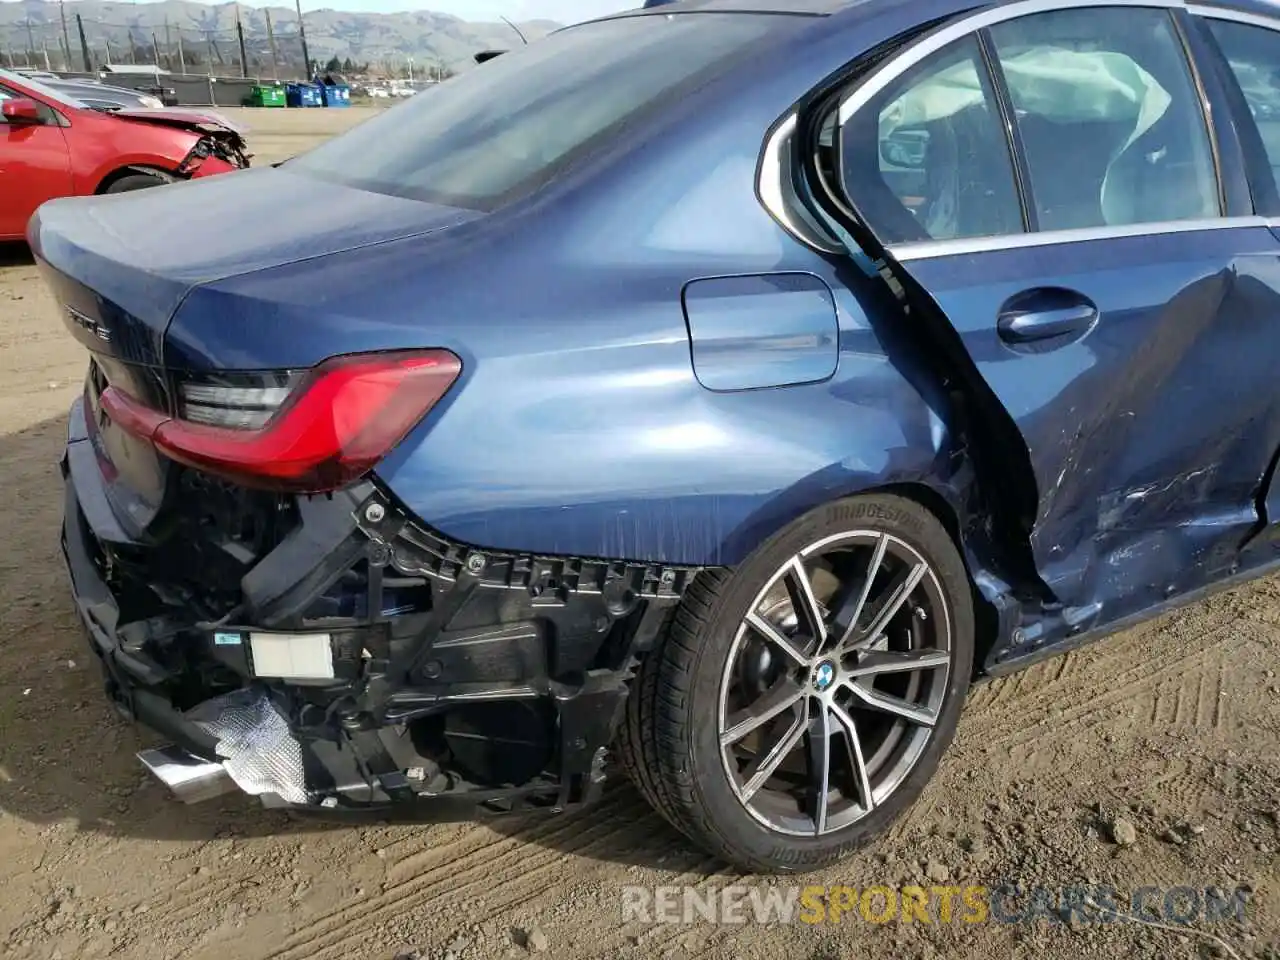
(968, 177)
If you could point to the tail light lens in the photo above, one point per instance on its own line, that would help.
(307, 434)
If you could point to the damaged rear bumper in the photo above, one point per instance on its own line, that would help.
(365, 662)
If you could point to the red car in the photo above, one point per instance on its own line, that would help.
(53, 146)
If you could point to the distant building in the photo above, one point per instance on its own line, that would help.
(135, 69)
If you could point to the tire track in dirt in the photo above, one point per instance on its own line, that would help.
(702, 876)
(416, 898)
(1139, 674)
(503, 868)
(1094, 692)
(174, 908)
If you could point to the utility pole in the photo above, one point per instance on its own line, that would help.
(66, 37)
(271, 40)
(302, 34)
(133, 48)
(244, 59)
(168, 46)
(182, 56)
(84, 46)
(44, 46)
(31, 44)
(107, 44)
(208, 42)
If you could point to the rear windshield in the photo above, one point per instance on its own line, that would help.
(505, 128)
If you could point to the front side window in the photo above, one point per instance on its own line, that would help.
(927, 158)
(1109, 117)
(47, 114)
(44, 91)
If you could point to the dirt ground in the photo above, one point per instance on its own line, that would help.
(1172, 727)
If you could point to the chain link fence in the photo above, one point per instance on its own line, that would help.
(258, 47)
(85, 46)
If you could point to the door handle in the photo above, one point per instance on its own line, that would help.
(1026, 326)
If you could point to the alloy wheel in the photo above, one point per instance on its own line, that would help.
(834, 683)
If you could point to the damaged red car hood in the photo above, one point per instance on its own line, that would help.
(207, 122)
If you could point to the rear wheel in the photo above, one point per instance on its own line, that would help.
(799, 704)
(135, 181)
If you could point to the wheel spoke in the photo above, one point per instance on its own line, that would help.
(820, 767)
(871, 664)
(856, 760)
(781, 696)
(771, 633)
(887, 703)
(896, 595)
(764, 767)
(808, 613)
(846, 619)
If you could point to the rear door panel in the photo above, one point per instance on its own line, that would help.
(1143, 395)
(1148, 436)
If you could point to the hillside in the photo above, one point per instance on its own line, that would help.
(30, 28)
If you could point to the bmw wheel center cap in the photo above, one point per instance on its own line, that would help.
(824, 676)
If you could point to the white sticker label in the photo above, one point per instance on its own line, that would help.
(292, 656)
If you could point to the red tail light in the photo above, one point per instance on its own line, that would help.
(336, 424)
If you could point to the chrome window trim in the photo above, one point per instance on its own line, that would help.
(770, 184)
(1236, 16)
(930, 249)
(773, 193)
(962, 28)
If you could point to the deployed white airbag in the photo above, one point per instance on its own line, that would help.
(1056, 83)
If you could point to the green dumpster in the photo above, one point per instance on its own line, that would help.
(266, 96)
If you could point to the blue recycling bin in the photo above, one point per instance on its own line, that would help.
(303, 95)
(336, 94)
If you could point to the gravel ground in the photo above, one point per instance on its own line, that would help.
(1149, 760)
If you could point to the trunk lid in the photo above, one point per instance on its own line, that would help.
(120, 266)
(134, 256)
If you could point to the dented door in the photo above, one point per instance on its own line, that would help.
(1095, 280)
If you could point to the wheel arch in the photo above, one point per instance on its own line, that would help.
(986, 602)
(948, 501)
(134, 169)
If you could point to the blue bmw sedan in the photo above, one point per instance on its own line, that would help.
(711, 392)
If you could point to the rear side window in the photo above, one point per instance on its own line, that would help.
(927, 158)
(1253, 54)
(1110, 119)
(507, 127)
